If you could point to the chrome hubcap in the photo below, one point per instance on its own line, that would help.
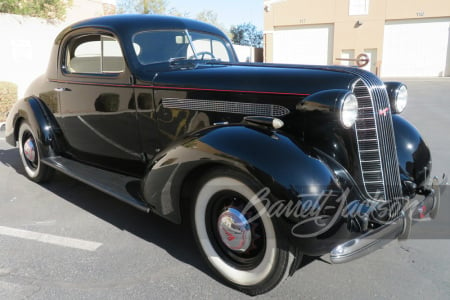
(234, 230)
(29, 150)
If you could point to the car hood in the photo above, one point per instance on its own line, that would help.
(258, 78)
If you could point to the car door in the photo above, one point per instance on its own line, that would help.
(98, 110)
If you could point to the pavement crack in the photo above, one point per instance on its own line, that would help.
(405, 248)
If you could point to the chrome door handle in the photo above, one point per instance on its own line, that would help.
(62, 89)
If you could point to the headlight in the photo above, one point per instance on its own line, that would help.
(398, 96)
(349, 110)
(401, 99)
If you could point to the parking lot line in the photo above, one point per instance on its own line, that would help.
(50, 239)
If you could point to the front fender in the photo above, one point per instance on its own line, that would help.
(413, 154)
(271, 158)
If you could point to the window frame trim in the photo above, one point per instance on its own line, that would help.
(65, 46)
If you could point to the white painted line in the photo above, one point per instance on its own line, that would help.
(50, 239)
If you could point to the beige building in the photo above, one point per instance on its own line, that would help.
(400, 37)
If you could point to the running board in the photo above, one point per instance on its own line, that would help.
(116, 185)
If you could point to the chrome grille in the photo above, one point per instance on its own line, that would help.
(376, 143)
(368, 143)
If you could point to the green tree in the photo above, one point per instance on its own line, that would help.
(175, 12)
(48, 9)
(209, 16)
(142, 6)
(161, 7)
(247, 35)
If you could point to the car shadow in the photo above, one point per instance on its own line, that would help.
(176, 239)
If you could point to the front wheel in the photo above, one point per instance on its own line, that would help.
(239, 242)
(31, 154)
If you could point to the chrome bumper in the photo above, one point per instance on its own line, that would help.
(368, 242)
(375, 239)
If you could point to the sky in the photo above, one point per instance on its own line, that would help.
(230, 12)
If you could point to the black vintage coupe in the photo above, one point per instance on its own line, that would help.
(266, 162)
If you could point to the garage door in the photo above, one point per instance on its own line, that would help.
(303, 45)
(416, 48)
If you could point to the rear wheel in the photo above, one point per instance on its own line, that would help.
(31, 154)
(240, 243)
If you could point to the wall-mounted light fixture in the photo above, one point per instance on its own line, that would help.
(268, 4)
(358, 24)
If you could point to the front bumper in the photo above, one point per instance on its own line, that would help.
(372, 240)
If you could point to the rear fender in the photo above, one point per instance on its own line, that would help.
(37, 114)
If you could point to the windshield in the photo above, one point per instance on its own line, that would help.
(160, 46)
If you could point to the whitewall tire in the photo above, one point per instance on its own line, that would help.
(31, 154)
(238, 240)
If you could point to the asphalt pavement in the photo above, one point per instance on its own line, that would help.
(65, 240)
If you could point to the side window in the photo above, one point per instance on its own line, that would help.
(94, 54)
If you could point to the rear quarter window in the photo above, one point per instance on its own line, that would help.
(94, 54)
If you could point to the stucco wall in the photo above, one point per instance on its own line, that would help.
(26, 44)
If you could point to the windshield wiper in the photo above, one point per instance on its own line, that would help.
(213, 61)
(176, 59)
(182, 62)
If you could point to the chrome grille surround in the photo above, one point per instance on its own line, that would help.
(384, 146)
(376, 141)
(368, 144)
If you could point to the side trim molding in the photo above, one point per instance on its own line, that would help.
(255, 109)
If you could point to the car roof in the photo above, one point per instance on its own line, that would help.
(132, 23)
(125, 26)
